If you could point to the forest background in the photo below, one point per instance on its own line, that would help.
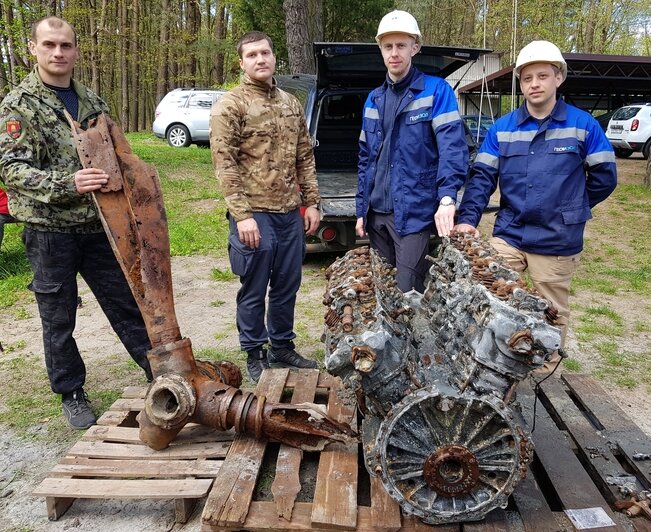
(135, 51)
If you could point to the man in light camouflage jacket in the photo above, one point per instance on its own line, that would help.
(264, 161)
(49, 191)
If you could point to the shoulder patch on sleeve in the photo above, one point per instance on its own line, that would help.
(14, 128)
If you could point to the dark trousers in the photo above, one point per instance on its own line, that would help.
(276, 266)
(56, 259)
(406, 253)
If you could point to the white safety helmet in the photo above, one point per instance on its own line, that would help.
(398, 22)
(541, 52)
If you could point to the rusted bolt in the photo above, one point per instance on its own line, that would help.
(363, 358)
(347, 319)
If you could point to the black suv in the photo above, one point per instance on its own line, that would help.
(333, 101)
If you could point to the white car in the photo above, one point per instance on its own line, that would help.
(629, 130)
(182, 116)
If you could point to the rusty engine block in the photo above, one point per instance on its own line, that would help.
(435, 374)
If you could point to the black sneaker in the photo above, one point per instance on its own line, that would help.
(256, 363)
(76, 410)
(287, 357)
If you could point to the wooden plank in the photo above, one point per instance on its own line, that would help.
(570, 480)
(533, 508)
(335, 495)
(113, 417)
(414, 524)
(385, 511)
(264, 518)
(183, 509)
(90, 467)
(130, 405)
(286, 484)
(228, 503)
(495, 521)
(57, 506)
(592, 447)
(190, 434)
(617, 426)
(93, 449)
(82, 488)
(134, 392)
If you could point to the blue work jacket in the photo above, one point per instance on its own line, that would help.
(549, 177)
(429, 155)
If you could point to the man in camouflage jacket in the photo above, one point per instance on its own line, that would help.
(49, 191)
(264, 161)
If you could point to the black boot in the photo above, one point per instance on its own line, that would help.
(285, 356)
(256, 363)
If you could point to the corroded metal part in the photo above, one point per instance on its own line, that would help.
(184, 390)
(435, 374)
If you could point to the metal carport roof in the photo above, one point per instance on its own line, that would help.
(596, 81)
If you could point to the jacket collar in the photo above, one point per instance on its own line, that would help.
(416, 84)
(558, 114)
(260, 87)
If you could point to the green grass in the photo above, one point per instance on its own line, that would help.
(28, 400)
(599, 320)
(222, 275)
(625, 369)
(571, 364)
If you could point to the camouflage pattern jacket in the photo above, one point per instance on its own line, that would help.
(38, 158)
(261, 150)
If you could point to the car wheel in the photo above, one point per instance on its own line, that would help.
(646, 150)
(178, 136)
(622, 153)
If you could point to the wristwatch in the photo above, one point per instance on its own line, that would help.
(447, 201)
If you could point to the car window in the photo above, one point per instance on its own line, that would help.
(202, 100)
(625, 113)
(300, 93)
(343, 108)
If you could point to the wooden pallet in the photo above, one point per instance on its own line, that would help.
(110, 462)
(576, 429)
(582, 441)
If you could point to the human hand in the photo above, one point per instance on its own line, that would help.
(466, 228)
(248, 232)
(444, 219)
(90, 179)
(311, 220)
(359, 228)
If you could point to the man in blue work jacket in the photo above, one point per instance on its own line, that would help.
(413, 156)
(553, 164)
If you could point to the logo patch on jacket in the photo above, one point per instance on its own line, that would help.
(418, 117)
(564, 149)
(14, 128)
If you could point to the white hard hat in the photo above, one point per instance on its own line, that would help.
(541, 52)
(398, 22)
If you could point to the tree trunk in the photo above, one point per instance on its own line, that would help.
(133, 65)
(94, 56)
(316, 19)
(163, 58)
(647, 178)
(191, 34)
(220, 34)
(124, 78)
(298, 41)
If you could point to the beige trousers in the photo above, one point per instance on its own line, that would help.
(551, 276)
